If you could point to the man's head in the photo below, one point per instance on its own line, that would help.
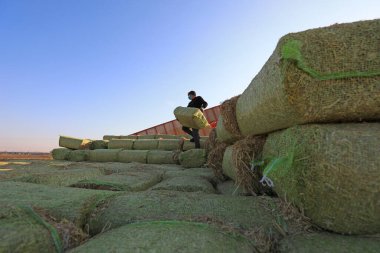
(191, 95)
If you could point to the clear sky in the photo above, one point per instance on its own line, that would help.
(86, 68)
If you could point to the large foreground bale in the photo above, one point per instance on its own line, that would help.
(167, 236)
(191, 117)
(243, 212)
(74, 143)
(104, 155)
(121, 143)
(20, 231)
(329, 74)
(60, 153)
(147, 144)
(99, 144)
(61, 202)
(327, 242)
(331, 172)
(170, 145)
(193, 158)
(128, 156)
(186, 184)
(161, 157)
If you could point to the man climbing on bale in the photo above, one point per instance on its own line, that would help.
(196, 102)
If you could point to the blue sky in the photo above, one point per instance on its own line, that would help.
(86, 68)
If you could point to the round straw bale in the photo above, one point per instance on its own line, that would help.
(128, 156)
(145, 144)
(185, 184)
(161, 157)
(228, 113)
(104, 155)
(330, 171)
(215, 159)
(167, 136)
(324, 75)
(193, 158)
(187, 145)
(223, 134)
(170, 145)
(191, 117)
(99, 144)
(146, 137)
(74, 143)
(78, 155)
(60, 153)
(121, 143)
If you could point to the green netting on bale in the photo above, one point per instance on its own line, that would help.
(161, 157)
(187, 145)
(145, 144)
(222, 133)
(74, 143)
(61, 202)
(168, 236)
(323, 75)
(193, 158)
(61, 178)
(230, 188)
(60, 153)
(186, 184)
(242, 212)
(191, 117)
(20, 232)
(327, 242)
(121, 143)
(329, 171)
(170, 145)
(78, 155)
(227, 165)
(128, 156)
(131, 180)
(104, 155)
(99, 144)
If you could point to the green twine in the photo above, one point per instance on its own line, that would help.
(53, 232)
(291, 50)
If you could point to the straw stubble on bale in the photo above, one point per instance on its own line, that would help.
(223, 135)
(215, 159)
(330, 171)
(329, 74)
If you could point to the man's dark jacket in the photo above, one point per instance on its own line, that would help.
(198, 102)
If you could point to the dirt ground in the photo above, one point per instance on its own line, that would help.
(23, 156)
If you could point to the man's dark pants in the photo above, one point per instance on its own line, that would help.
(195, 134)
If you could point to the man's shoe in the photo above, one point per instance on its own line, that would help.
(192, 140)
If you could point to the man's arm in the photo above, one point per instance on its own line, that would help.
(204, 103)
